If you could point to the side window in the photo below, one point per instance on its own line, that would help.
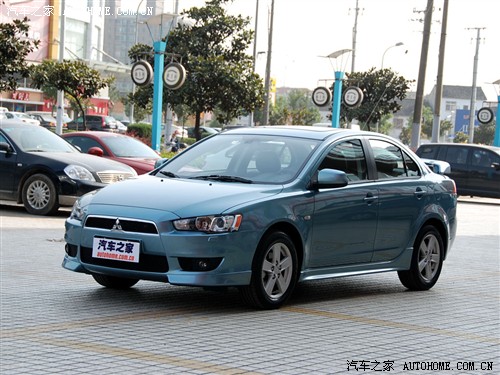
(457, 155)
(412, 168)
(84, 143)
(391, 161)
(482, 158)
(349, 157)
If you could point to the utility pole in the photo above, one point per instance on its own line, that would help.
(354, 35)
(472, 113)
(250, 116)
(419, 99)
(267, 87)
(60, 93)
(439, 84)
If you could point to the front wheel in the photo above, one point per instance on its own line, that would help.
(39, 195)
(426, 262)
(274, 273)
(114, 282)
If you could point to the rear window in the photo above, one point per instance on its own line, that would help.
(427, 152)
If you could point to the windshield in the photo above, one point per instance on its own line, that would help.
(128, 147)
(37, 139)
(243, 158)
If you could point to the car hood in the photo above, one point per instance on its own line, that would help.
(141, 165)
(91, 162)
(182, 197)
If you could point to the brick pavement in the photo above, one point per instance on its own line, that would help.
(57, 322)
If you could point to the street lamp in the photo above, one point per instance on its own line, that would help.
(496, 139)
(337, 87)
(395, 45)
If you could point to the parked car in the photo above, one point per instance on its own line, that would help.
(48, 119)
(205, 131)
(121, 127)
(94, 122)
(263, 208)
(21, 117)
(118, 147)
(475, 168)
(41, 170)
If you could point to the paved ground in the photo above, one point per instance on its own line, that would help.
(57, 322)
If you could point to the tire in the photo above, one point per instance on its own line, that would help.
(426, 262)
(39, 195)
(274, 273)
(114, 282)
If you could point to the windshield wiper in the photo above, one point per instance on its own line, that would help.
(218, 177)
(168, 174)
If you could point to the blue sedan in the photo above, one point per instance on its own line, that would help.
(265, 208)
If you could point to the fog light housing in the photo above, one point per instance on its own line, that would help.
(71, 250)
(199, 264)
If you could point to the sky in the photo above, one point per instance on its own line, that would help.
(305, 30)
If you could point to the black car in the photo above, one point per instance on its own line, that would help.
(94, 122)
(475, 168)
(43, 171)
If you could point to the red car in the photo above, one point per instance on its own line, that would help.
(119, 147)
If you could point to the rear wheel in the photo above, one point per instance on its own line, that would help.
(274, 273)
(39, 195)
(426, 262)
(114, 282)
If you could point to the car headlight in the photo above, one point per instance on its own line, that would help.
(78, 211)
(77, 172)
(80, 207)
(210, 224)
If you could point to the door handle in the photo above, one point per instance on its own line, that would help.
(419, 193)
(370, 198)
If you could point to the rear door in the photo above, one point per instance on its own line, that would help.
(457, 156)
(402, 195)
(483, 178)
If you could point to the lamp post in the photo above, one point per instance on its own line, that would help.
(395, 45)
(337, 88)
(496, 139)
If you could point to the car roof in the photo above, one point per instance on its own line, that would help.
(319, 133)
(470, 145)
(95, 134)
(14, 124)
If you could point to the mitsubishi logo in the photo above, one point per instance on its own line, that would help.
(117, 225)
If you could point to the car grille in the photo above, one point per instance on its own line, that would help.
(147, 262)
(110, 177)
(125, 225)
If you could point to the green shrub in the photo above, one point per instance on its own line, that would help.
(140, 130)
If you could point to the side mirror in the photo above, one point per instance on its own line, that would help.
(160, 162)
(329, 178)
(97, 151)
(4, 146)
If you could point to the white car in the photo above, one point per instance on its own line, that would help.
(22, 117)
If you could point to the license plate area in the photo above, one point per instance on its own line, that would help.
(116, 249)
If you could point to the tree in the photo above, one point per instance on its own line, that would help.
(383, 92)
(485, 133)
(220, 73)
(295, 108)
(75, 78)
(460, 137)
(14, 47)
